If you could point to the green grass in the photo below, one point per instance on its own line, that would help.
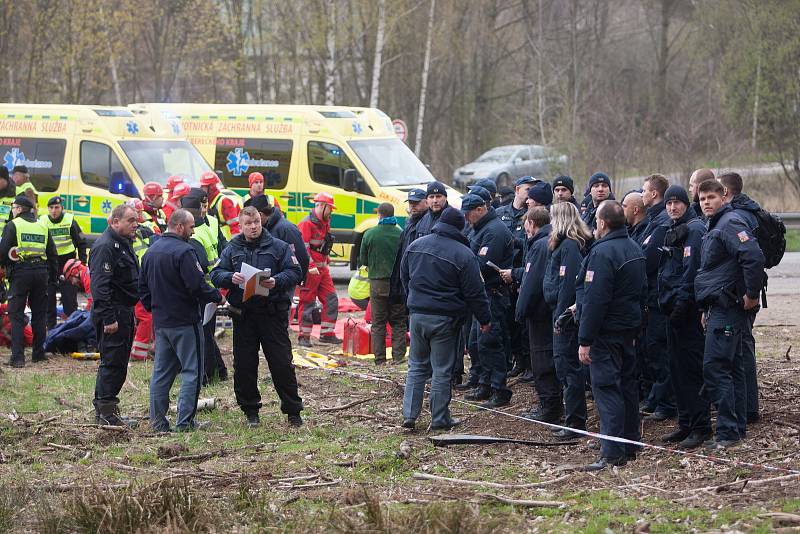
(792, 240)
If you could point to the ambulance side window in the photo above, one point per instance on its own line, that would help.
(327, 163)
(237, 158)
(43, 157)
(98, 163)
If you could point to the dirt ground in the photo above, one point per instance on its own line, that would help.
(353, 468)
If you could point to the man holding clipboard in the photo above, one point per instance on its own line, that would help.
(260, 313)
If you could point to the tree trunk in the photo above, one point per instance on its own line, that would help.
(755, 102)
(540, 75)
(377, 62)
(330, 59)
(424, 88)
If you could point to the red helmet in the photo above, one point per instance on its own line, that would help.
(209, 178)
(172, 181)
(181, 190)
(154, 188)
(255, 177)
(73, 267)
(135, 203)
(325, 198)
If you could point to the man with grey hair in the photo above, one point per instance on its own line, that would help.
(173, 287)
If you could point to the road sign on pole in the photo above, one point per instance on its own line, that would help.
(400, 129)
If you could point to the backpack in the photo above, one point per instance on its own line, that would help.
(771, 235)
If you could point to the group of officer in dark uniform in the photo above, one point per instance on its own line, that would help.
(652, 298)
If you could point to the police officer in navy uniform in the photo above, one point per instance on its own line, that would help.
(29, 254)
(661, 401)
(680, 259)
(511, 215)
(727, 286)
(564, 191)
(273, 220)
(747, 208)
(598, 190)
(490, 241)
(70, 241)
(436, 195)
(610, 294)
(114, 271)
(417, 207)
(261, 321)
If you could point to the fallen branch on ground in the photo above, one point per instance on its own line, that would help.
(436, 478)
(349, 405)
(520, 502)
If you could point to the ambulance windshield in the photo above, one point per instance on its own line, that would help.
(391, 162)
(158, 160)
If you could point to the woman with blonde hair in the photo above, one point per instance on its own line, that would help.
(569, 241)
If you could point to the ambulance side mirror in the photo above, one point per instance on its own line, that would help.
(121, 184)
(350, 180)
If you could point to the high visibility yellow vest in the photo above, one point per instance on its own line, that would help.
(139, 246)
(60, 232)
(5, 211)
(358, 288)
(208, 236)
(31, 239)
(213, 209)
(24, 187)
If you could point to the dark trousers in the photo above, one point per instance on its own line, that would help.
(385, 309)
(723, 370)
(461, 344)
(571, 374)
(269, 332)
(548, 387)
(520, 345)
(615, 391)
(662, 397)
(493, 345)
(114, 352)
(27, 286)
(750, 370)
(69, 297)
(213, 364)
(686, 344)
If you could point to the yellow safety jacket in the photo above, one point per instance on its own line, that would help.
(5, 211)
(60, 232)
(213, 209)
(358, 288)
(31, 240)
(208, 236)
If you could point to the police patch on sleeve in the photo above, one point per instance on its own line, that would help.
(562, 271)
(483, 251)
(743, 237)
(107, 267)
(294, 260)
(687, 251)
(589, 276)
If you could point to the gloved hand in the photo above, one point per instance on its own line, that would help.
(680, 312)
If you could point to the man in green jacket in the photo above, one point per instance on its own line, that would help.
(378, 250)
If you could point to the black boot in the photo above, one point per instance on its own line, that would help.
(499, 398)
(480, 393)
(107, 414)
(466, 386)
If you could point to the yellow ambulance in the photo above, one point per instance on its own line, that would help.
(350, 152)
(94, 157)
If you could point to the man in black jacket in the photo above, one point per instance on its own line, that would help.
(442, 278)
(610, 295)
(491, 242)
(436, 194)
(114, 272)
(29, 254)
(273, 220)
(261, 320)
(173, 287)
(417, 207)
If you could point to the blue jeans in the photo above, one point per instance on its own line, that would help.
(178, 350)
(433, 344)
